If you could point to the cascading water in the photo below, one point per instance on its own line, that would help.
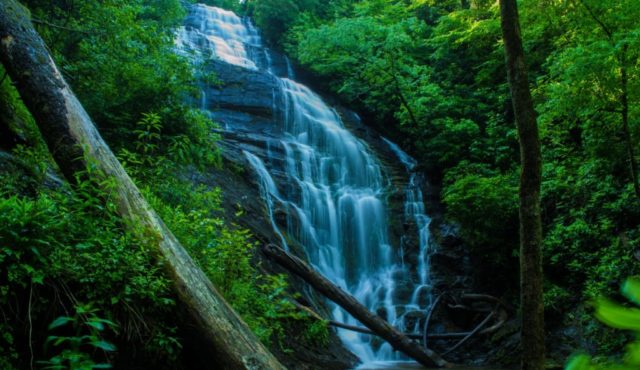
(335, 188)
(215, 32)
(414, 209)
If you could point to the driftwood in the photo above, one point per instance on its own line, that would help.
(73, 140)
(372, 321)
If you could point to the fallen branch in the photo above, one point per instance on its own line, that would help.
(45, 23)
(396, 339)
(359, 329)
(428, 319)
(471, 333)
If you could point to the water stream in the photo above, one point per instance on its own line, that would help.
(335, 189)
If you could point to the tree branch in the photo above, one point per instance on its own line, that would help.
(593, 15)
(40, 21)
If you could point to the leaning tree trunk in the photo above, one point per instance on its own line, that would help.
(73, 140)
(530, 180)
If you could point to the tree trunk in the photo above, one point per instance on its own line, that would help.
(530, 178)
(73, 141)
(379, 326)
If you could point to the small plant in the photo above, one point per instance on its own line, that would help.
(77, 350)
(148, 134)
(619, 317)
(318, 333)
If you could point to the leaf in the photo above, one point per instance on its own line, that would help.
(96, 324)
(633, 354)
(38, 277)
(83, 246)
(580, 362)
(60, 340)
(108, 322)
(631, 289)
(60, 321)
(102, 366)
(104, 345)
(617, 316)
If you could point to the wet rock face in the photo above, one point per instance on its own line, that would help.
(241, 90)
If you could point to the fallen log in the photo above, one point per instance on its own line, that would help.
(359, 329)
(382, 328)
(425, 331)
(74, 141)
(363, 330)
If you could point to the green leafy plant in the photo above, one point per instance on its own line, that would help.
(619, 317)
(78, 349)
(318, 333)
(65, 246)
(225, 253)
(148, 135)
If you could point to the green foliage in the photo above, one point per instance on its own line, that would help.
(120, 60)
(148, 135)
(153, 148)
(318, 333)
(619, 317)
(495, 198)
(63, 247)
(225, 254)
(118, 56)
(373, 57)
(276, 17)
(77, 349)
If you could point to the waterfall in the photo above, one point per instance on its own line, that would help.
(414, 209)
(334, 190)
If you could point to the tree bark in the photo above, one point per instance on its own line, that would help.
(531, 275)
(74, 141)
(379, 326)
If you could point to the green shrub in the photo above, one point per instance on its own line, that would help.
(226, 255)
(486, 207)
(63, 249)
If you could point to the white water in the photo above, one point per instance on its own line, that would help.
(414, 209)
(334, 190)
(216, 32)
